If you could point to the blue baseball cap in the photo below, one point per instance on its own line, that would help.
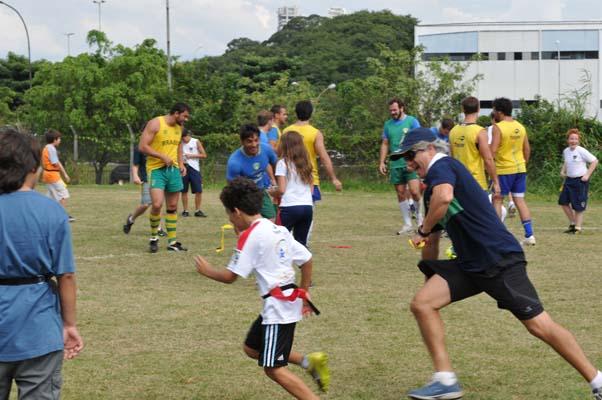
(412, 137)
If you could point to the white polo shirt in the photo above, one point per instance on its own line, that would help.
(576, 161)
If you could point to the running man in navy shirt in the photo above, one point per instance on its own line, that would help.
(255, 161)
(37, 313)
(489, 259)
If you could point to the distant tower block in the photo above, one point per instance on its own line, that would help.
(336, 11)
(285, 14)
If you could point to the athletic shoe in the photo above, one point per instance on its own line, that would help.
(185, 213)
(199, 213)
(71, 219)
(530, 241)
(318, 369)
(577, 231)
(437, 391)
(571, 229)
(597, 394)
(154, 245)
(405, 229)
(161, 232)
(511, 210)
(176, 246)
(128, 224)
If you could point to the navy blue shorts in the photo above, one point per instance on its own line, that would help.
(194, 179)
(513, 183)
(574, 192)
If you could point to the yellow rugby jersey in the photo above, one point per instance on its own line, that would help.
(166, 141)
(463, 143)
(309, 134)
(509, 158)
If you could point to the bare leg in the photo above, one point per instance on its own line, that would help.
(563, 341)
(198, 197)
(579, 219)
(426, 304)
(185, 201)
(141, 209)
(523, 210)
(291, 383)
(497, 204)
(568, 211)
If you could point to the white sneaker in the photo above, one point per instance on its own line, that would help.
(530, 241)
(405, 229)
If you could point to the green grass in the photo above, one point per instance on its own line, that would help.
(155, 329)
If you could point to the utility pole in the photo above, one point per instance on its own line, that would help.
(99, 2)
(26, 34)
(69, 34)
(168, 48)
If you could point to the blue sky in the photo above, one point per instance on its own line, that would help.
(204, 27)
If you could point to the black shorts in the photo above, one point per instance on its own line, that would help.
(273, 342)
(574, 192)
(193, 179)
(507, 283)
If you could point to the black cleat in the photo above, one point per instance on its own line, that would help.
(571, 229)
(154, 245)
(128, 224)
(185, 213)
(199, 213)
(176, 246)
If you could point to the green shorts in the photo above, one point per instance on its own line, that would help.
(401, 176)
(268, 209)
(168, 179)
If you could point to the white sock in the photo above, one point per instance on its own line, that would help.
(596, 383)
(445, 377)
(418, 213)
(404, 206)
(410, 201)
(305, 363)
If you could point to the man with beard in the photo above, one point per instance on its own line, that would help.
(394, 132)
(161, 142)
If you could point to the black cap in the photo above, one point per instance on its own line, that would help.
(412, 137)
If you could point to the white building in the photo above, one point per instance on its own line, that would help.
(522, 60)
(336, 11)
(285, 14)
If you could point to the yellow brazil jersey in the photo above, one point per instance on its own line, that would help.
(166, 141)
(509, 158)
(309, 134)
(463, 143)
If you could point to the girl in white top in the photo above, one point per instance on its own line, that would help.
(576, 174)
(295, 182)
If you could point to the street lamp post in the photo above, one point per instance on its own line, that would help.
(168, 47)
(26, 34)
(329, 87)
(69, 34)
(558, 59)
(99, 2)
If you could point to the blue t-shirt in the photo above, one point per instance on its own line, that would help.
(140, 161)
(252, 167)
(439, 135)
(273, 134)
(479, 238)
(35, 239)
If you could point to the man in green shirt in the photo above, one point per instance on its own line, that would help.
(394, 132)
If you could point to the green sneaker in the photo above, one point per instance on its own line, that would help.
(318, 369)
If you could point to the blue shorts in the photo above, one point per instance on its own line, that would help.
(513, 183)
(316, 195)
(574, 192)
(194, 179)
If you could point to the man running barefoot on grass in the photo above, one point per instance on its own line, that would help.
(269, 252)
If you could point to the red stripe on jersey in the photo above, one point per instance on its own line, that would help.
(245, 235)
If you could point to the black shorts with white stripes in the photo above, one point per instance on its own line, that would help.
(273, 342)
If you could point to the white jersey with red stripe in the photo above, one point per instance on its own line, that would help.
(269, 251)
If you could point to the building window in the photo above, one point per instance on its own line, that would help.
(535, 55)
(518, 55)
(450, 56)
(569, 55)
(501, 56)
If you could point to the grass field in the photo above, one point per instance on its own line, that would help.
(155, 329)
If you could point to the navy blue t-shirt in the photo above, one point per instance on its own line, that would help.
(140, 161)
(479, 238)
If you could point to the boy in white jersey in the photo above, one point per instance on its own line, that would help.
(576, 174)
(269, 251)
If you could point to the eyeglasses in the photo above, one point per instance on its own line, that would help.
(410, 155)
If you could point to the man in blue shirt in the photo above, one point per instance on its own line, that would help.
(256, 161)
(37, 318)
(489, 259)
(268, 134)
(442, 133)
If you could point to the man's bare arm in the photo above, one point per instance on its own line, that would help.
(325, 160)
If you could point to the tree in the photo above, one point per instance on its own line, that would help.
(98, 94)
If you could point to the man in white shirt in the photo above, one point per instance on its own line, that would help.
(269, 251)
(193, 151)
